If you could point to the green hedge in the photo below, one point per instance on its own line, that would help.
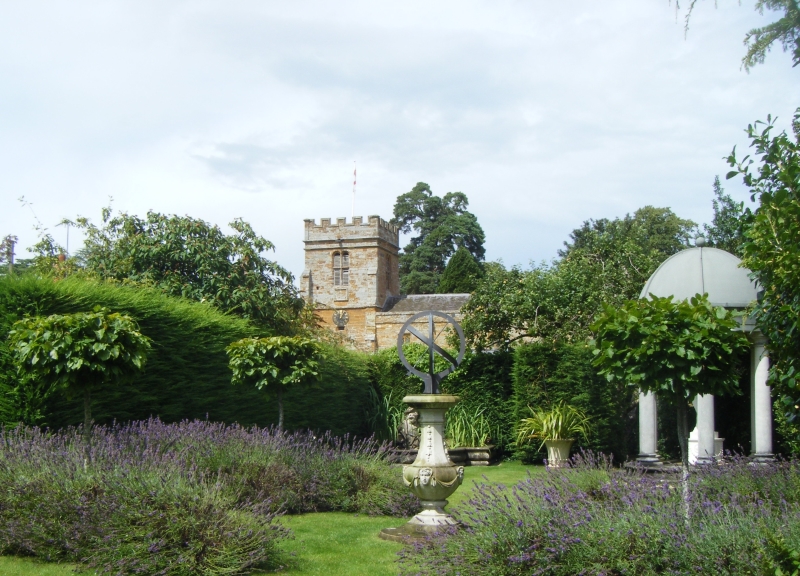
(544, 374)
(187, 373)
(482, 381)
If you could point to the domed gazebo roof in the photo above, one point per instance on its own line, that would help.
(700, 270)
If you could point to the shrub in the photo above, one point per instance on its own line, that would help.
(593, 519)
(174, 499)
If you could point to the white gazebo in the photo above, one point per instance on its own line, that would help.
(715, 272)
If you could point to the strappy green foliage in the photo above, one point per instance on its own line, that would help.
(561, 422)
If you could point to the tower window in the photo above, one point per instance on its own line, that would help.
(341, 268)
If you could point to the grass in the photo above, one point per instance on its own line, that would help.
(331, 543)
(14, 566)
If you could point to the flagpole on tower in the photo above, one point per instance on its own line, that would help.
(353, 214)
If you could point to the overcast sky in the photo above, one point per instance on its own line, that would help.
(544, 114)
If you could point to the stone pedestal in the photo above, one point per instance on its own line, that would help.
(694, 448)
(432, 477)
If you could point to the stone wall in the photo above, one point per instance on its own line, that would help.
(359, 331)
(389, 324)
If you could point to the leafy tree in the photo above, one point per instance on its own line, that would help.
(187, 257)
(461, 275)
(676, 350)
(277, 361)
(442, 226)
(725, 231)
(606, 262)
(772, 248)
(759, 41)
(78, 353)
(500, 310)
(634, 242)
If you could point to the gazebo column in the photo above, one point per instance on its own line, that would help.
(760, 400)
(704, 405)
(648, 426)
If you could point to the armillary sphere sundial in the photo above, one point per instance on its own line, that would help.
(433, 477)
(431, 377)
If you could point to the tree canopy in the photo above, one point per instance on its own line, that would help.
(759, 41)
(772, 247)
(79, 352)
(606, 262)
(442, 225)
(276, 362)
(461, 275)
(726, 229)
(676, 350)
(187, 257)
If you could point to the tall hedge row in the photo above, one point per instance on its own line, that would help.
(186, 375)
(483, 381)
(544, 374)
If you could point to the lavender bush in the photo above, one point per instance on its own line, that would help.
(179, 499)
(593, 519)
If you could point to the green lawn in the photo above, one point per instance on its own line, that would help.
(12, 566)
(331, 543)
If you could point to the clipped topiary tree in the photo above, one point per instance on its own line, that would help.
(676, 350)
(277, 361)
(78, 352)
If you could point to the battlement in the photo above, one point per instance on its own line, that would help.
(340, 229)
(375, 221)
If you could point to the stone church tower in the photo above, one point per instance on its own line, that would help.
(351, 273)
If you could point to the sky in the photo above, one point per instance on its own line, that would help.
(545, 114)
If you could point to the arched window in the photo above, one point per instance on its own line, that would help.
(341, 268)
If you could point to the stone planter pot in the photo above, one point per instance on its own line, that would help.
(458, 456)
(472, 455)
(557, 452)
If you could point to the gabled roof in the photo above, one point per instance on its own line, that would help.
(421, 302)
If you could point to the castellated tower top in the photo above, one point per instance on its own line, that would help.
(375, 228)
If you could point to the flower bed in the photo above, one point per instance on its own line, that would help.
(173, 499)
(593, 519)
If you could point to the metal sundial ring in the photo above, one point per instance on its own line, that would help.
(431, 377)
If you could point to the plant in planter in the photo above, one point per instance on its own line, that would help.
(557, 428)
(470, 433)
